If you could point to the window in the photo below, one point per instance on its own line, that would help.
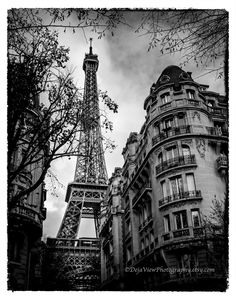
(181, 120)
(141, 217)
(149, 208)
(196, 218)
(186, 150)
(164, 78)
(160, 158)
(146, 241)
(169, 123)
(145, 212)
(171, 152)
(167, 223)
(176, 186)
(191, 183)
(165, 98)
(181, 220)
(211, 103)
(190, 94)
(164, 190)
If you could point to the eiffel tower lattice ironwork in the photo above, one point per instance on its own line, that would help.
(78, 260)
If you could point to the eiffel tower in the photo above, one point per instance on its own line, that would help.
(77, 260)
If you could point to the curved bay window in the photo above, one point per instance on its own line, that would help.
(181, 220)
(171, 152)
(196, 218)
(176, 186)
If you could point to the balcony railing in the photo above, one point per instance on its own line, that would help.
(198, 231)
(180, 196)
(176, 161)
(181, 232)
(217, 111)
(217, 131)
(83, 243)
(166, 236)
(167, 133)
(192, 102)
(27, 212)
(140, 192)
(189, 232)
(171, 132)
(222, 162)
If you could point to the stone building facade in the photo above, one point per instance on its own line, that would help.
(175, 170)
(25, 220)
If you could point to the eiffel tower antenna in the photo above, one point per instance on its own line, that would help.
(84, 195)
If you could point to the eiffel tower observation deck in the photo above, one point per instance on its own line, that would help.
(75, 262)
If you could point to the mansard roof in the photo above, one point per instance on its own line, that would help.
(173, 75)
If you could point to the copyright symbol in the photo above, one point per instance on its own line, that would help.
(126, 269)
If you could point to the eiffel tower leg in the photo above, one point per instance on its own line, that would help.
(72, 217)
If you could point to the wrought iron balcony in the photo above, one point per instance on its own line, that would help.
(147, 186)
(175, 162)
(181, 102)
(166, 236)
(222, 163)
(216, 131)
(198, 231)
(171, 132)
(181, 232)
(217, 111)
(27, 212)
(180, 196)
(189, 232)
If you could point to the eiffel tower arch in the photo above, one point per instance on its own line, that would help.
(76, 261)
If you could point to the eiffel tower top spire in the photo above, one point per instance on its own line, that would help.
(90, 167)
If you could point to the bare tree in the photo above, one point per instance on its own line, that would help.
(200, 36)
(39, 133)
(215, 226)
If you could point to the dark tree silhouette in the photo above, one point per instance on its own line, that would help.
(39, 133)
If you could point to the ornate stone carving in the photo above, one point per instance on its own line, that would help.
(201, 147)
(196, 114)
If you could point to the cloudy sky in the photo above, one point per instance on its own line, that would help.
(126, 71)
